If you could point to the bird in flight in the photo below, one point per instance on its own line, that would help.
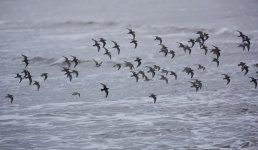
(9, 96)
(76, 93)
(154, 97)
(105, 89)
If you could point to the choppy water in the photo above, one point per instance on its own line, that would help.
(218, 117)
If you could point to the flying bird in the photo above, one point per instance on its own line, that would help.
(76, 93)
(189, 70)
(134, 74)
(131, 32)
(216, 60)
(129, 64)
(172, 53)
(226, 77)
(9, 96)
(134, 42)
(205, 48)
(97, 64)
(192, 42)
(45, 75)
(162, 77)
(174, 74)
(25, 60)
(154, 97)
(37, 84)
(75, 72)
(117, 47)
(156, 67)
(118, 66)
(75, 60)
(103, 41)
(107, 53)
(138, 60)
(96, 44)
(200, 66)
(254, 81)
(18, 76)
(157, 38)
(151, 70)
(105, 89)
(67, 61)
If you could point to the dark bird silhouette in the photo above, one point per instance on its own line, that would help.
(118, 66)
(216, 60)
(25, 73)
(154, 97)
(107, 52)
(96, 44)
(156, 67)
(134, 42)
(226, 77)
(25, 60)
(164, 71)
(164, 50)
(194, 85)
(186, 47)
(141, 73)
(246, 68)
(216, 51)
(138, 60)
(247, 39)
(146, 78)
(198, 82)
(241, 34)
(241, 64)
(157, 38)
(97, 64)
(204, 47)
(117, 47)
(205, 36)
(67, 73)
(172, 53)
(134, 74)
(192, 42)
(37, 84)
(162, 77)
(189, 70)
(128, 64)
(181, 45)
(75, 72)
(103, 41)
(173, 74)
(151, 70)
(9, 96)
(254, 81)
(75, 60)
(18, 76)
(67, 61)
(244, 45)
(200, 40)
(200, 66)
(45, 75)
(256, 65)
(76, 93)
(29, 77)
(105, 89)
(131, 32)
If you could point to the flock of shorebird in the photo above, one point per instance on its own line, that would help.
(101, 43)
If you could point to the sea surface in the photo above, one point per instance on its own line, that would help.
(218, 117)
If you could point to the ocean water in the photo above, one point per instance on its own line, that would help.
(218, 117)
